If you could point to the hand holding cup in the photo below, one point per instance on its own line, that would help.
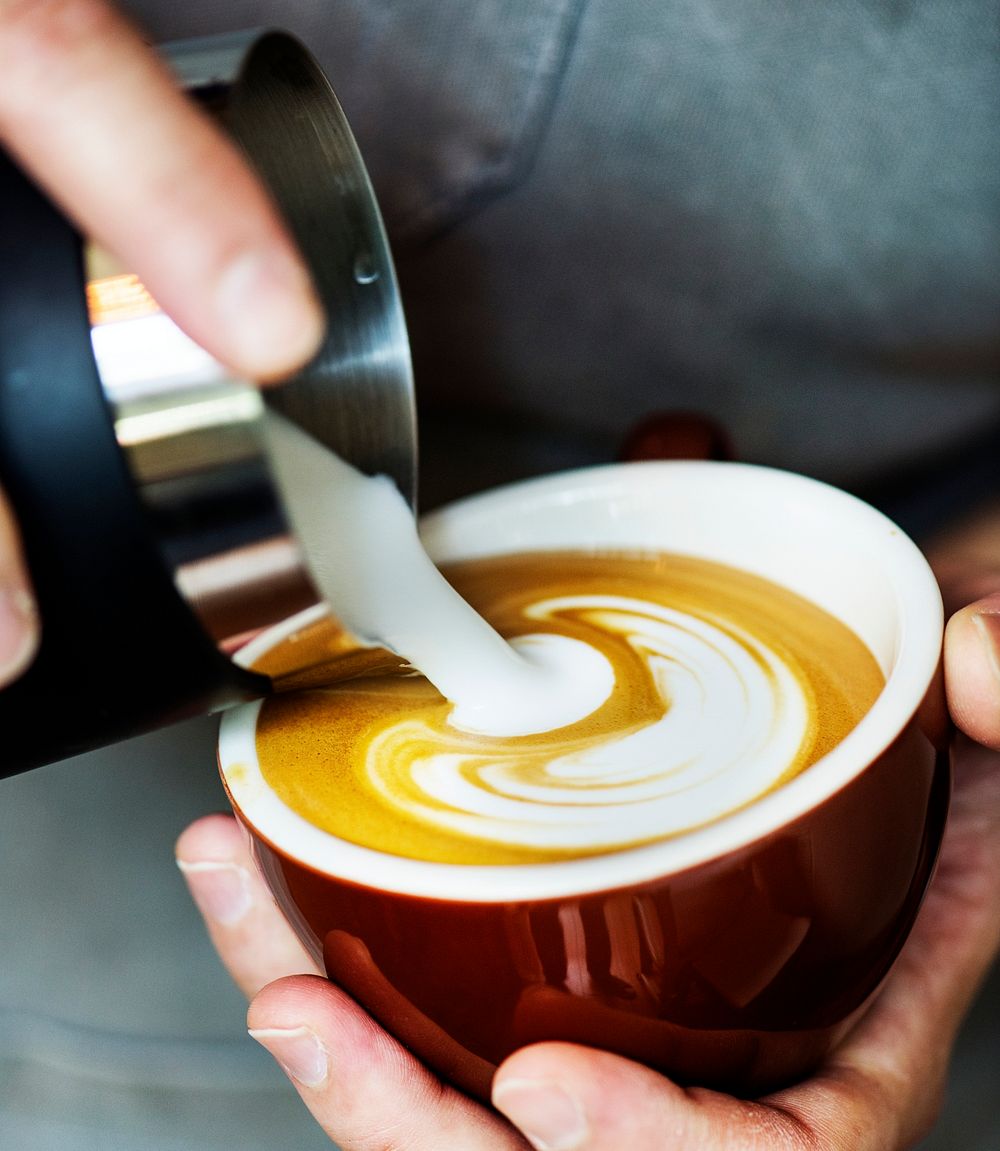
(879, 1087)
(736, 953)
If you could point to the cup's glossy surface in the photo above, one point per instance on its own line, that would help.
(733, 956)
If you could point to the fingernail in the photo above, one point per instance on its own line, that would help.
(299, 1052)
(988, 624)
(221, 890)
(268, 305)
(550, 1118)
(18, 631)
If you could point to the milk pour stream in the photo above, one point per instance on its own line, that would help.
(383, 586)
(735, 712)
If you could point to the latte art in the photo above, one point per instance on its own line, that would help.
(724, 686)
(733, 719)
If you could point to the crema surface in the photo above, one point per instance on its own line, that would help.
(725, 687)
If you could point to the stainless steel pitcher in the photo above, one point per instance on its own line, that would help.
(154, 526)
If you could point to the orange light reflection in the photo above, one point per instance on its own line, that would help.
(115, 298)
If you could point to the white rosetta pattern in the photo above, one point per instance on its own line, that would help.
(735, 717)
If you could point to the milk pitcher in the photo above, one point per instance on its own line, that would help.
(155, 528)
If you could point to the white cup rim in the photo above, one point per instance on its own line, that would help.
(920, 627)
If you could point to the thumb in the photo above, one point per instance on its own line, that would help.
(563, 1098)
(18, 619)
(972, 669)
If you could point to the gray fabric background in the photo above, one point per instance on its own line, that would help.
(787, 215)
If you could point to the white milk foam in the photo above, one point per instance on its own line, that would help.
(735, 717)
(371, 567)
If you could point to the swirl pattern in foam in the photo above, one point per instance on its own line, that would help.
(725, 686)
(734, 717)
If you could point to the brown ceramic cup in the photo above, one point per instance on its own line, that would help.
(734, 955)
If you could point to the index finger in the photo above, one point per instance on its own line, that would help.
(95, 116)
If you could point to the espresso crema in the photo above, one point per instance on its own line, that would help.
(725, 687)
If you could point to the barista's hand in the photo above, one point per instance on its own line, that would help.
(879, 1091)
(89, 110)
(87, 107)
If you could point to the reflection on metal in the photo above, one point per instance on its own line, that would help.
(199, 433)
(116, 297)
(187, 416)
(190, 431)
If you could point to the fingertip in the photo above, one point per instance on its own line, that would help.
(215, 866)
(212, 838)
(285, 1020)
(598, 1069)
(271, 321)
(313, 1002)
(972, 670)
(298, 1050)
(549, 1116)
(562, 1095)
(545, 1059)
(544, 1091)
(291, 1001)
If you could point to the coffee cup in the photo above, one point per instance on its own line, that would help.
(733, 955)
